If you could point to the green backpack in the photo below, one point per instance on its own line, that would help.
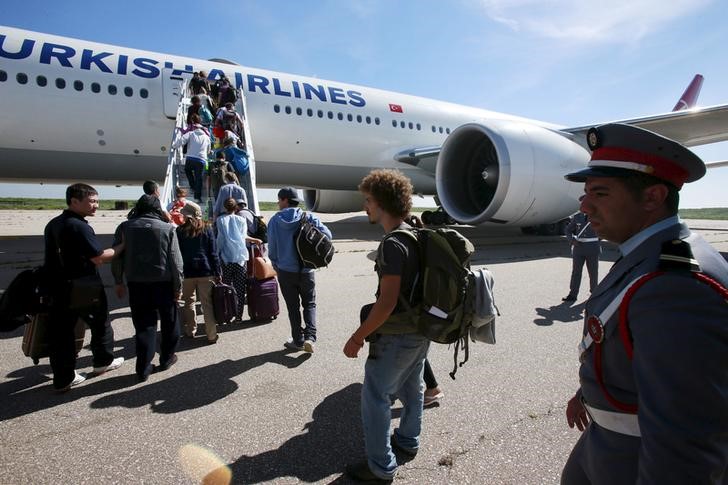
(442, 303)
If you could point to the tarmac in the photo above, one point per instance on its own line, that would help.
(246, 410)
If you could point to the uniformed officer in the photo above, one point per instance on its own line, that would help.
(653, 399)
(585, 248)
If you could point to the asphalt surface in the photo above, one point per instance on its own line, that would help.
(274, 416)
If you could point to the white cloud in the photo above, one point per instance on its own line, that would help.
(616, 21)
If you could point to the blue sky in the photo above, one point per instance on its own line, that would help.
(565, 61)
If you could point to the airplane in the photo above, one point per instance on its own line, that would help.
(76, 110)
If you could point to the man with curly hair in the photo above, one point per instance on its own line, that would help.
(397, 351)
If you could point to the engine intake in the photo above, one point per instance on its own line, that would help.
(508, 172)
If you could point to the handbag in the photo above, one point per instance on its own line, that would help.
(85, 292)
(262, 267)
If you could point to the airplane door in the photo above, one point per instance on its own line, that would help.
(173, 84)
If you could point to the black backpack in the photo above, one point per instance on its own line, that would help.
(260, 228)
(28, 294)
(315, 249)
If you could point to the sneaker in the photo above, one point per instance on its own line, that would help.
(115, 364)
(78, 379)
(291, 346)
(213, 341)
(432, 396)
(361, 472)
(569, 298)
(408, 452)
(163, 367)
(308, 346)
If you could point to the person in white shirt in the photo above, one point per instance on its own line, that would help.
(198, 148)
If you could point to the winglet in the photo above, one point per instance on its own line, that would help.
(690, 96)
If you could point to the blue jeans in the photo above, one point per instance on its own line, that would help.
(394, 367)
(299, 290)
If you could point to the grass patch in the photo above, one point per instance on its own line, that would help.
(19, 203)
(9, 203)
(15, 203)
(716, 213)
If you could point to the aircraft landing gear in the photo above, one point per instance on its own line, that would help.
(554, 229)
(437, 218)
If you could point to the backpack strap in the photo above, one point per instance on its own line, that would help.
(675, 256)
(411, 234)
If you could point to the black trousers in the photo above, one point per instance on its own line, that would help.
(63, 338)
(149, 301)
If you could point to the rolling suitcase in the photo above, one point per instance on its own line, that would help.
(36, 338)
(263, 299)
(262, 287)
(224, 302)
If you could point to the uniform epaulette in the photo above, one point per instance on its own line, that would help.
(677, 255)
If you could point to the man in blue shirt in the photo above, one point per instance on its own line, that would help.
(295, 281)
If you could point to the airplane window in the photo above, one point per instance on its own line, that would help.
(21, 77)
(440, 129)
(96, 87)
(78, 85)
(41, 81)
(128, 92)
(3, 76)
(340, 116)
(276, 108)
(394, 123)
(434, 130)
(299, 111)
(309, 112)
(60, 83)
(358, 118)
(419, 127)
(142, 92)
(376, 121)
(369, 120)
(411, 125)
(112, 89)
(320, 114)
(288, 110)
(330, 115)
(447, 130)
(401, 123)
(349, 117)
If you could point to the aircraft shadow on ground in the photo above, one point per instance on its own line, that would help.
(333, 438)
(564, 312)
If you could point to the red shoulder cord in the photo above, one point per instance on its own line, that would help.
(626, 335)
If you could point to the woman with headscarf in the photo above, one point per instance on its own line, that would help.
(153, 267)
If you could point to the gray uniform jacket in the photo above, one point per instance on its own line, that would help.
(678, 376)
(576, 228)
(151, 253)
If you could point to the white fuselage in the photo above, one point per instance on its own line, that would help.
(76, 110)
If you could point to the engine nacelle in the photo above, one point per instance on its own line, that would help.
(333, 201)
(508, 172)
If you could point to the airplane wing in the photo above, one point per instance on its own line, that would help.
(691, 127)
(424, 158)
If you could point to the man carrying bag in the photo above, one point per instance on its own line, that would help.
(72, 253)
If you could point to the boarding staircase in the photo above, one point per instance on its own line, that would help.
(175, 176)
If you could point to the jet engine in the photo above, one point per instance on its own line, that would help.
(508, 172)
(333, 201)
